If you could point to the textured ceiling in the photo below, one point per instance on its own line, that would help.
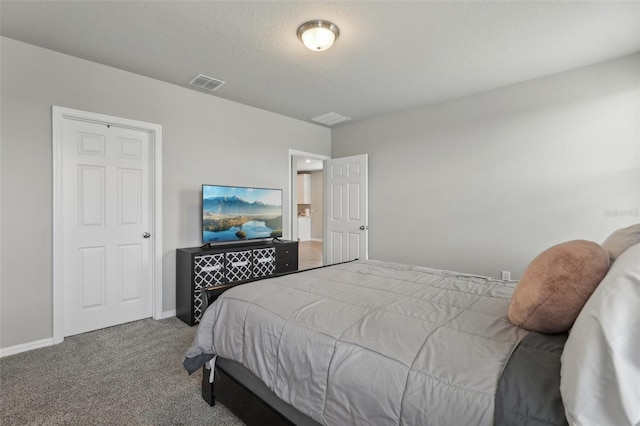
(390, 56)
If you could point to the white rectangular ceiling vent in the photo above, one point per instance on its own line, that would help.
(330, 119)
(206, 83)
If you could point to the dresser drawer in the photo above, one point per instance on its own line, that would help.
(264, 262)
(208, 270)
(287, 251)
(238, 265)
(286, 265)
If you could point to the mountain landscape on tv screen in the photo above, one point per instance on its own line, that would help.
(235, 205)
(234, 218)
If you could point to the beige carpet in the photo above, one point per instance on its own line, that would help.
(131, 374)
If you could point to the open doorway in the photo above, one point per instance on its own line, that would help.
(307, 207)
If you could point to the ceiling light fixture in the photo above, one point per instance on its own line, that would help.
(318, 35)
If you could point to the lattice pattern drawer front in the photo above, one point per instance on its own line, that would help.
(238, 265)
(264, 262)
(208, 270)
(197, 306)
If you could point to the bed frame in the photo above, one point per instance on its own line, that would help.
(248, 397)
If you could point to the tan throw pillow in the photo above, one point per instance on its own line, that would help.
(556, 285)
(621, 240)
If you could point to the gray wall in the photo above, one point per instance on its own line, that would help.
(479, 184)
(484, 183)
(206, 139)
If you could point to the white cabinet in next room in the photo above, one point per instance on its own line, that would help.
(304, 188)
(304, 228)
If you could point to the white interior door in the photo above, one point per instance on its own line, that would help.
(346, 209)
(107, 217)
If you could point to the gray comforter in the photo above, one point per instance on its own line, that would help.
(370, 342)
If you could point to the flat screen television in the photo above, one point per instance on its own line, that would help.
(235, 213)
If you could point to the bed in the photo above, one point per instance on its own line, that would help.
(375, 343)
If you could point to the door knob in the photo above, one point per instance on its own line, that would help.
(362, 227)
(146, 235)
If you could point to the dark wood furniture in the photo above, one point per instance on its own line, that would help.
(203, 273)
(248, 397)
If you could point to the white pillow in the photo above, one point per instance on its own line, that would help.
(600, 370)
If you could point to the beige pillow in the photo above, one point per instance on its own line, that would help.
(556, 285)
(621, 240)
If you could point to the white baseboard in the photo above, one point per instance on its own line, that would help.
(317, 239)
(24, 347)
(167, 314)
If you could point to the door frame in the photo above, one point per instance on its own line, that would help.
(293, 193)
(58, 114)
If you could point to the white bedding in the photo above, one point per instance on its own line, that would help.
(370, 342)
(600, 374)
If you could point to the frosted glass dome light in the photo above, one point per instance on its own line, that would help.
(318, 35)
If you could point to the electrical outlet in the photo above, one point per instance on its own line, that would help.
(506, 275)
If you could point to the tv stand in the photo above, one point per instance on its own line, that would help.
(205, 272)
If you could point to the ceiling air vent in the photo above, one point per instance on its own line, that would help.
(206, 83)
(330, 119)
